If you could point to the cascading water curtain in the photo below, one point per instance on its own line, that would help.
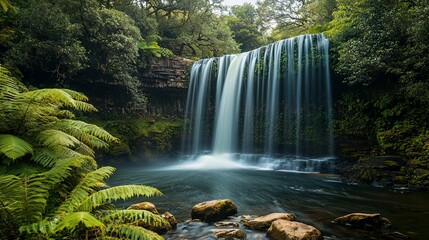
(275, 100)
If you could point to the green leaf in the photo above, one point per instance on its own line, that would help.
(134, 216)
(88, 185)
(72, 221)
(132, 232)
(14, 147)
(115, 193)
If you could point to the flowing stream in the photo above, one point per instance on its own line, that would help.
(316, 199)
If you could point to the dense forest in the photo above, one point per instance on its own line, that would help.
(379, 57)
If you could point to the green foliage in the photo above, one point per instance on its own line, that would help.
(47, 44)
(353, 117)
(192, 30)
(158, 135)
(35, 134)
(14, 147)
(295, 17)
(245, 24)
(5, 4)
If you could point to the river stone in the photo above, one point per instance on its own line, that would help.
(227, 224)
(291, 230)
(364, 220)
(148, 206)
(264, 222)
(229, 234)
(214, 210)
(170, 219)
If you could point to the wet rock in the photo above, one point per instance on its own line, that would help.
(171, 219)
(148, 206)
(227, 224)
(214, 210)
(290, 230)
(264, 222)
(364, 220)
(229, 233)
(395, 236)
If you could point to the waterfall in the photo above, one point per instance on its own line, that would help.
(270, 103)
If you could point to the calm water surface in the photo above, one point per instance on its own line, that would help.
(316, 199)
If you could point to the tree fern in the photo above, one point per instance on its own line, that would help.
(115, 193)
(39, 124)
(14, 147)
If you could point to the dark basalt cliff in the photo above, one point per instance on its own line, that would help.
(166, 73)
(164, 84)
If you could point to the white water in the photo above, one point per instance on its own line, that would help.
(272, 103)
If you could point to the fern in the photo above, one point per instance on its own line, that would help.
(73, 220)
(88, 185)
(45, 226)
(131, 232)
(85, 132)
(53, 138)
(135, 216)
(115, 193)
(26, 196)
(14, 147)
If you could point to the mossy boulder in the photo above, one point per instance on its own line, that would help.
(215, 210)
(364, 220)
(291, 230)
(264, 222)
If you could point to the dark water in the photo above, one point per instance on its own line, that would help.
(316, 199)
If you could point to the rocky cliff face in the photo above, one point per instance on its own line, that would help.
(165, 85)
(171, 73)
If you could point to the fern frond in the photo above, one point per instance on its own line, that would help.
(14, 147)
(46, 157)
(131, 232)
(127, 216)
(73, 220)
(25, 196)
(86, 186)
(44, 226)
(9, 86)
(76, 95)
(90, 134)
(115, 193)
(84, 107)
(52, 138)
(65, 114)
(54, 96)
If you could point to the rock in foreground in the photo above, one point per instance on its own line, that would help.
(364, 220)
(214, 210)
(148, 206)
(264, 222)
(171, 219)
(290, 230)
(229, 233)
